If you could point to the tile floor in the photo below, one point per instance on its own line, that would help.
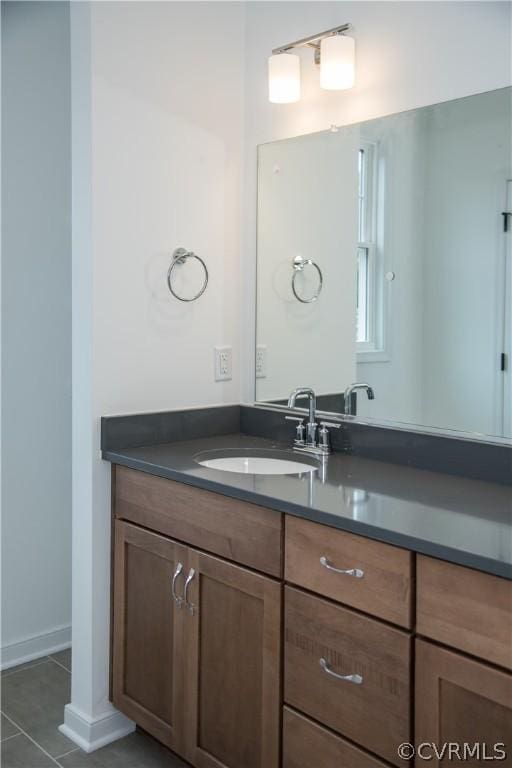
(33, 697)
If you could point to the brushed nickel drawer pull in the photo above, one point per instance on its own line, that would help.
(355, 572)
(190, 606)
(178, 600)
(356, 679)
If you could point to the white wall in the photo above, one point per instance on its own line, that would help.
(166, 149)
(409, 54)
(36, 333)
(157, 140)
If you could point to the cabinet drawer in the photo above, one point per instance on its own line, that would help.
(245, 533)
(374, 712)
(308, 745)
(313, 551)
(466, 609)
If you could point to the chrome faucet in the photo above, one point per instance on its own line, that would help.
(347, 395)
(311, 444)
(311, 426)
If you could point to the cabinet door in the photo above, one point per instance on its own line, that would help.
(233, 666)
(148, 632)
(462, 701)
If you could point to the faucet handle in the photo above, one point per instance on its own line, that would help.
(299, 434)
(325, 438)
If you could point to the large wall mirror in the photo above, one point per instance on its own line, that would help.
(384, 256)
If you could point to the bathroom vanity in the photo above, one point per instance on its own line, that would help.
(297, 630)
(323, 618)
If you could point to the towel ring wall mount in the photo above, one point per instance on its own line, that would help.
(180, 256)
(298, 265)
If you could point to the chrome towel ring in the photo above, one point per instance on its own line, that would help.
(298, 265)
(180, 256)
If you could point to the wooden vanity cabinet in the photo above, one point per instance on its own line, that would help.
(199, 601)
(202, 675)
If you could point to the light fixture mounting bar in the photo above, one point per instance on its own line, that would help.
(313, 40)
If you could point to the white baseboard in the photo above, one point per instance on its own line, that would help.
(35, 647)
(91, 734)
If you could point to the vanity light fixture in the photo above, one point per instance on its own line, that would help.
(334, 52)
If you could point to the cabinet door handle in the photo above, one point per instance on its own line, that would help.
(190, 606)
(356, 679)
(178, 600)
(357, 573)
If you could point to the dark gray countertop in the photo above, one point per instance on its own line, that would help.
(464, 521)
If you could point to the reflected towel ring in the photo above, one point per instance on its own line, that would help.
(298, 265)
(180, 256)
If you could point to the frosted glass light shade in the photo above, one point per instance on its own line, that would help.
(283, 78)
(337, 62)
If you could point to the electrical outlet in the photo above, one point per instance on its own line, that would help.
(261, 361)
(223, 366)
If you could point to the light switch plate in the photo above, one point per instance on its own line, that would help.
(223, 363)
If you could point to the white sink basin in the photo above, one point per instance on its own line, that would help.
(256, 465)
